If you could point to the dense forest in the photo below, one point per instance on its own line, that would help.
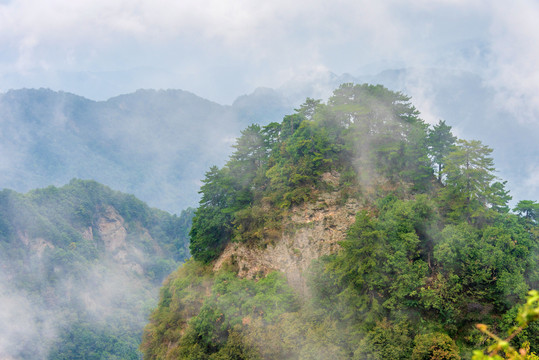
(434, 248)
(80, 269)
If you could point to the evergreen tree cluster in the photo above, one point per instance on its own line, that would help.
(433, 250)
(364, 132)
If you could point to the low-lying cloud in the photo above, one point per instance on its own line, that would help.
(27, 327)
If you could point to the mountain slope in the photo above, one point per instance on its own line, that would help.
(80, 267)
(350, 230)
(154, 144)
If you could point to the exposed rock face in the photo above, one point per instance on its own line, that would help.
(37, 245)
(112, 230)
(88, 234)
(311, 230)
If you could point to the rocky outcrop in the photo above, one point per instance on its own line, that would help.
(112, 230)
(310, 231)
(37, 245)
(88, 234)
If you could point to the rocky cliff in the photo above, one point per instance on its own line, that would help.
(310, 231)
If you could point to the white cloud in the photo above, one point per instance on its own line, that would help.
(259, 30)
(531, 182)
(30, 327)
(515, 55)
(262, 43)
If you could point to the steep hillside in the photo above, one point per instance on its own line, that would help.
(350, 230)
(80, 269)
(150, 143)
(309, 231)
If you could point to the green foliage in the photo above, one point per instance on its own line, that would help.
(469, 189)
(435, 346)
(381, 265)
(386, 341)
(496, 264)
(52, 251)
(279, 163)
(86, 341)
(500, 197)
(527, 313)
(528, 209)
(235, 349)
(400, 265)
(366, 128)
(433, 249)
(309, 108)
(212, 322)
(181, 298)
(440, 142)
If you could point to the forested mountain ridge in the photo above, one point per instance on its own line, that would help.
(149, 143)
(80, 268)
(424, 246)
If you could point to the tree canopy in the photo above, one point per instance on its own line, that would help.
(433, 249)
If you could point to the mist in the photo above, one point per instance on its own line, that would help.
(145, 96)
(470, 63)
(28, 327)
(80, 269)
(154, 144)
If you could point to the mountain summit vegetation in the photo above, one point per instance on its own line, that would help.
(432, 248)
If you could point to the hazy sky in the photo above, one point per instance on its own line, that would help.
(222, 49)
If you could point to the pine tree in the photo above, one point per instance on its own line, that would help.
(440, 140)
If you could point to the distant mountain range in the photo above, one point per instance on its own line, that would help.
(157, 144)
